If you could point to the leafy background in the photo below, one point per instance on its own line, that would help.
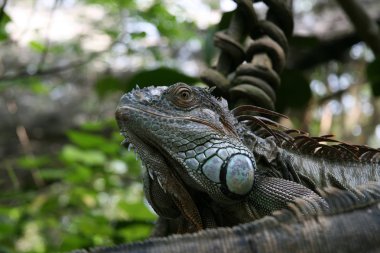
(65, 181)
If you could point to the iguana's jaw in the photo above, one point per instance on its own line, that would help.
(136, 116)
(137, 136)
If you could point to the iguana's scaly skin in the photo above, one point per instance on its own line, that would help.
(198, 169)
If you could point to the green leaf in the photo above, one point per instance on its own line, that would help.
(7, 227)
(92, 226)
(373, 75)
(137, 211)
(39, 87)
(135, 232)
(160, 76)
(5, 19)
(72, 241)
(92, 126)
(113, 33)
(32, 162)
(86, 140)
(99, 125)
(75, 155)
(138, 35)
(78, 174)
(52, 173)
(93, 141)
(37, 46)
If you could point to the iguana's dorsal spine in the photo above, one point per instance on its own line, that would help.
(321, 161)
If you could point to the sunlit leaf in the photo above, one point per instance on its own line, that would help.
(37, 46)
(39, 87)
(94, 141)
(73, 154)
(92, 126)
(71, 241)
(86, 140)
(137, 211)
(96, 225)
(78, 174)
(52, 173)
(135, 232)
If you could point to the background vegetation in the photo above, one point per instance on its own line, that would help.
(65, 181)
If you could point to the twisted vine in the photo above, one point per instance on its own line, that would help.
(253, 54)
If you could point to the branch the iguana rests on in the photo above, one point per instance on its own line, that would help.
(350, 225)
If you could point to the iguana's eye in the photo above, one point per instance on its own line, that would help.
(182, 96)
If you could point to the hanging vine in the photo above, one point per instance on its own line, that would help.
(253, 54)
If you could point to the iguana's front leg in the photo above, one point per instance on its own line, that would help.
(270, 194)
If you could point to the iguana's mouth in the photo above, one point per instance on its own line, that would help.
(137, 137)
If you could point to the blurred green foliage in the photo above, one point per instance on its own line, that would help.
(89, 192)
(5, 19)
(91, 195)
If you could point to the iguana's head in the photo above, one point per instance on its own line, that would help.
(194, 133)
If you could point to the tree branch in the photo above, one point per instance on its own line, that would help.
(364, 25)
(324, 51)
(43, 72)
(333, 49)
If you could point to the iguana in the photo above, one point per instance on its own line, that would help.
(350, 225)
(206, 167)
